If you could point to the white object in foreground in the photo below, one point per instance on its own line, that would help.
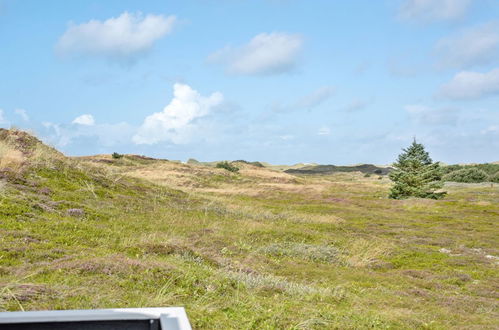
(167, 318)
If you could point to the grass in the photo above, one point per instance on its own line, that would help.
(260, 249)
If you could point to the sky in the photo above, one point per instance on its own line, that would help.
(281, 81)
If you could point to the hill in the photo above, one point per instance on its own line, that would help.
(330, 169)
(254, 249)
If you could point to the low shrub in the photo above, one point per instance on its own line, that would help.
(467, 175)
(117, 155)
(227, 166)
(494, 177)
(257, 164)
(489, 168)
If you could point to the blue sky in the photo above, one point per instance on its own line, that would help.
(283, 81)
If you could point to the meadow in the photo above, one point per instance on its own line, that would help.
(256, 249)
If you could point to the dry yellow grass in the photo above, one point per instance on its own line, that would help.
(10, 158)
(361, 252)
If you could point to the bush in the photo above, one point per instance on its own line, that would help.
(257, 164)
(367, 175)
(494, 177)
(488, 168)
(467, 175)
(117, 155)
(227, 166)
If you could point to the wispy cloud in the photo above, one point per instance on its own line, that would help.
(433, 10)
(86, 120)
(432, 116)
(324, 131)
(474, 46)
(22, 113)
(357, 105)
(3, 121)
(265, 54)
(307, 102)
(107, 135)
(471, 85)
(122, 37)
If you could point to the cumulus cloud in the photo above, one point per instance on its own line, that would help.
(474, 46)
(124, 36)
(308, 102)
(22, 113)
(471, 85)
(177, 121)
(433, 10)
(432, 116)
(265, 54)
(86, 120)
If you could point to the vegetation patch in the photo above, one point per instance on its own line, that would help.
(259, 249)
(317, 253)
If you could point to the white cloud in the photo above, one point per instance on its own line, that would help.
(286, 137)
(474, 46)
(315, 98)
(432, 116)
(86, 120)
(22, 113)
(357, 104)
(309, 101)
(3, 121)
(324, 131)
(107, 135)
(471, 85)
(117, 37)
(265, 54)
(433, 10)
(176, 123)
(491, 129)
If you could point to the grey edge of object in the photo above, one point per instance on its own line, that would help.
(156, 318)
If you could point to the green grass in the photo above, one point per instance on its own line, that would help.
(345, 257)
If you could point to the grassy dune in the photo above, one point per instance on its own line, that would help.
(260, 249)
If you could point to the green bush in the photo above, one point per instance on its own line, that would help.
(257, 164)
(467, 175)
(117, 155)
(227, 166)
(488, 168)
(494, 177)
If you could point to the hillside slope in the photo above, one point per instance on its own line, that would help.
(258, 249)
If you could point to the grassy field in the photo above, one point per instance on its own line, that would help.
(260, 249)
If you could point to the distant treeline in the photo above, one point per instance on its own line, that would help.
(475, 173)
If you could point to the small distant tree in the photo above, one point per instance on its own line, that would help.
(415, 174)
(117, 155)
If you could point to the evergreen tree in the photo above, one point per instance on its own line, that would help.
(415, 174)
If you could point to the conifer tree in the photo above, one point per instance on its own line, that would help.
(416, 175)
